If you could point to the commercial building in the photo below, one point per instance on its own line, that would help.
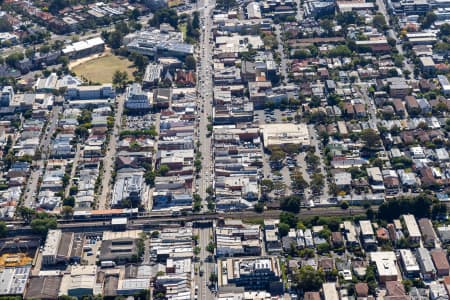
(90, 92)
(233, 113)
(262, 273)
(128, 186)
(136, 99)
(152, 75)
(411, 7)
(349, 6)
(157, 42)
(235, 238)
(13, 281)
(43, 287)
(285, 134)
(80, 281)
(51, 247)
(378, 44)
(84, 48)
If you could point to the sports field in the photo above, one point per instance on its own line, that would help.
(101, 69)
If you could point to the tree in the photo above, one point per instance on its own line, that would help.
(340, 51)
(14, 58)
(317, 182)
(140, 61)
(344, 205)
(149, 177)
(122, 27)
(82, 132)
(419, 206)
(298, 182)
(210, 247)
(371, 138)
(333, 99)
(67, 211)
(45, 49)
(115, 39)
(444, 29)
(259, 207)
(3, 229)
(308, 279)
(213, 278)
(120, 78)
(439, 210)
(5, 26)
(327, 25)
(301, 54)
(226, 4)
(283, 229)
(69, 201)
(164, 15)
(288, 218)
(192, 34)
(267, 185)
(26, 213)
(312, 160)
(429, 19)
(379, 22)
(196, 20)
(190, 63)
(323, 248)
(277, 155)
(198, 165)
(56, 5)
(290, 203)
(370, 213)
(42, 223)
(163, 170)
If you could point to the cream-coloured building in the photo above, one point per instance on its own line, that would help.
(284, 134)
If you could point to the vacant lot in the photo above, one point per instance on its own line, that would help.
(101, 69)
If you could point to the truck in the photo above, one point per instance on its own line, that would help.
(108, 264)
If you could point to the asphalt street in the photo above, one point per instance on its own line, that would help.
(108, 160)
(31, 190)
(205, 95)
(202, 281)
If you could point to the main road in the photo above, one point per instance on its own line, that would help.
(110, 157)
(205, 96)
(205, 267)
(204, 109)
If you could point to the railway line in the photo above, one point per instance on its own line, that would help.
(149, 220)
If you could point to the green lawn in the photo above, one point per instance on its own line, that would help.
(183, 28)
(101, 69)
